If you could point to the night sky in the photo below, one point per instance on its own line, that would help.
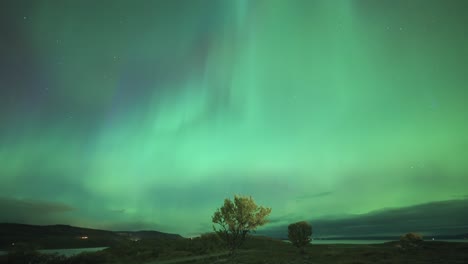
(129, 115)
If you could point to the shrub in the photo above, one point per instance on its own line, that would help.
(300, 234)
(411, 237)
(411, 240)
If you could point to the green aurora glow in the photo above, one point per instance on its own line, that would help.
(146, 115)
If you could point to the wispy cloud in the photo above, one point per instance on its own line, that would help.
(315, 195)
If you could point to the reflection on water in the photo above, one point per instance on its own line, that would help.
(344, 241)
(66, 252)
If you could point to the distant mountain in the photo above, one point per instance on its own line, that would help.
(147, 234)
(447, 217)
(65, 236)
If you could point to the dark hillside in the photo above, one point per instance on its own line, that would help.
(65, 236)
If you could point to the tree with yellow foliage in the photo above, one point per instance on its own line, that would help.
(236, 219)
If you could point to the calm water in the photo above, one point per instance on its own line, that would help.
(66, 252)
(330, 241)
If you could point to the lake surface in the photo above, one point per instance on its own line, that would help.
(66, 252)
(362, 242)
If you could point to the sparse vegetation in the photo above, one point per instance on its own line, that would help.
(255, 250)
(411, 237)
(300, 234)
(411, 241)
(236, 219)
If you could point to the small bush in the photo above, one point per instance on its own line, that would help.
(300, 234)
(411, 237)
(411, 240)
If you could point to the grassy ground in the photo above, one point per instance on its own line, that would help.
(258, 250)
(263, 251)
(426, 252)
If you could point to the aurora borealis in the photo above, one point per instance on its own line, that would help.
(147, 114)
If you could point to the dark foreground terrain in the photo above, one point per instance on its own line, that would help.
(256, 250)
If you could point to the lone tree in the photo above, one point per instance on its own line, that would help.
(300, 234)
(236, 219)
